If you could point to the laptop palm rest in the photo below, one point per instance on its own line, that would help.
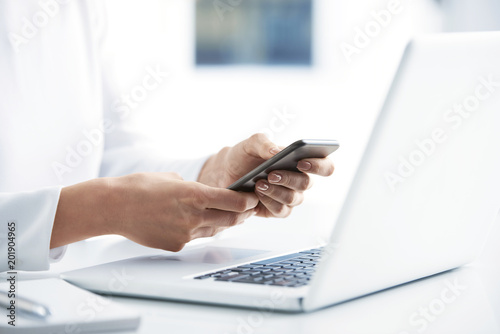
(212, 255)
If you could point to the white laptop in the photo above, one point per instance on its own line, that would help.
(422, 201)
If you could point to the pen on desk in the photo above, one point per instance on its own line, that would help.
(24, 305)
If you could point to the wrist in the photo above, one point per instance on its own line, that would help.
(81, 213)
(100, 196)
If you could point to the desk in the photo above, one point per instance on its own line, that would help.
(425, 306)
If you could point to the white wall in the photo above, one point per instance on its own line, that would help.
(471, 15)
(199, 111)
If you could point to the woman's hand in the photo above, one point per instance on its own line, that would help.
(157, 210)
(281, 191)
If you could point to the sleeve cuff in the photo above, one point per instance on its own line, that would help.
(33, 216)
(56, 254)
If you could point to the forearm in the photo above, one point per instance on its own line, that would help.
(81, 213)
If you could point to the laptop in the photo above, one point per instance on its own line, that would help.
(422, 201)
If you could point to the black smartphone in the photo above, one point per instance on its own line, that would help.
(286, 159)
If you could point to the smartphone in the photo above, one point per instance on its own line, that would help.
(286, 159)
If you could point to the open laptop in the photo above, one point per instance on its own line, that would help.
(426, 191)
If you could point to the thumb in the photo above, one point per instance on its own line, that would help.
(259, 146)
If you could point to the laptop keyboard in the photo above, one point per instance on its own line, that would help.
(291, 270)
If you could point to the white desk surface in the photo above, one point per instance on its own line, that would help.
(474, 308)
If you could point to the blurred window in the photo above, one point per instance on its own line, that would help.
(253, 32)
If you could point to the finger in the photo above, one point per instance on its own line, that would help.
(259, 146)
(206, 232)
(291, 180)
(225, 199)
(280, 194)
(277, 209)
(219, 218)
(321, 166)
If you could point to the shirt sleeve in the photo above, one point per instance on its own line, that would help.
(119, 161)
(26, 222)
(126, 149)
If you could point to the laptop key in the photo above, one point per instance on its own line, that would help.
(244, 280)
(307, 264)
(231, 274)
(231, 278)
(253, 272)
(203, 277)
(248, 266)
(274, 272)
(289, 267)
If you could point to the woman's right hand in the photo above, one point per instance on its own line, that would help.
(157, 210)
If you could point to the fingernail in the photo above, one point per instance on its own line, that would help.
(304, 165)
(262, 186)
(274, 178)
(274, 150)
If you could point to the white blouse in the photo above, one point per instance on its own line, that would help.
(59, 122)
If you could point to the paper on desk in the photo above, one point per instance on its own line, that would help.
(74, 310)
